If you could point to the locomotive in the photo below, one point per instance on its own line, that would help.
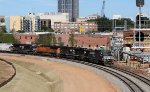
(76, 53)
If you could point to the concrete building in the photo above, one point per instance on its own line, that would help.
(34, 22)
(7, 23)
(31, 23)
(16, 23)
(69, 6)
(45, 23)
(75, 26)
(53, 17)
(90, 17)
(117, 17)
(2, 20)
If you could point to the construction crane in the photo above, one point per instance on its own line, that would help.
(103, 9)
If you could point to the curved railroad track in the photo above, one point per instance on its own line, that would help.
(141, 78)
(131, 85)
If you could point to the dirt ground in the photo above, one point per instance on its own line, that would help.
(6, 71)
(35, 74)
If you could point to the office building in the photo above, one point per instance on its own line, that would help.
(15, 23)
(69, 6)
(48, 19)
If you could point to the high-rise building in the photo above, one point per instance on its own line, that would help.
(31, 23)
(15, 23)
(69, 6)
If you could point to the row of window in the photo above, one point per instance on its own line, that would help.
(21, 37)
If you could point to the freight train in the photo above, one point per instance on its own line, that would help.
(76, 53)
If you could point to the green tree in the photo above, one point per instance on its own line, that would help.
(46, 29)
(45, 39)
(21, 31)
(120, 22)
(7, 38)
(105, 24)
(71, 40)
(54, 41)
(3, 29)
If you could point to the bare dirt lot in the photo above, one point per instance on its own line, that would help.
(6, 71)
(36, 74)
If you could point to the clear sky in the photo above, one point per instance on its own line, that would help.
(126, 8)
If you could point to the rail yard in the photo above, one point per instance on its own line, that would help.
(130, 82)
(64, 52)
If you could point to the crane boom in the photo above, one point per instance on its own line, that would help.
(103, 9)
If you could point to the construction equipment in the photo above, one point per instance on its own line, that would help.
(103, 9)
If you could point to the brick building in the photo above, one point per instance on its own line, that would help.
(75, 26)
(86, 41)
(26, 38)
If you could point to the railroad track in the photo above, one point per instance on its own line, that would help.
(141, 78)
(131, 85)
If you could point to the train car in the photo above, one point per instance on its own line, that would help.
(55, 51)
(5, 47)
(79, 53)
(52, 51)
(42, 50)
(23, 48)
(67, 52)
(94, 56)
(108, 58)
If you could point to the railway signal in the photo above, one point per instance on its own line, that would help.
(139, 3)
(139, 36)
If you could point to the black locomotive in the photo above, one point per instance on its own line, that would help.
(76, 53)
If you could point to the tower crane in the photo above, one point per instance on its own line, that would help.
(103, 9)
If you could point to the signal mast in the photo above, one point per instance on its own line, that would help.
(137, 36)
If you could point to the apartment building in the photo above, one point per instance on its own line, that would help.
(15, 23)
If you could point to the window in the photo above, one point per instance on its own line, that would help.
(25, 37)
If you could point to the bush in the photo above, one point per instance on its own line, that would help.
(7, 38)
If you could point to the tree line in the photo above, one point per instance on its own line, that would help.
(105, 24)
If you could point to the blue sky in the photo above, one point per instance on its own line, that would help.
(126, 8)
